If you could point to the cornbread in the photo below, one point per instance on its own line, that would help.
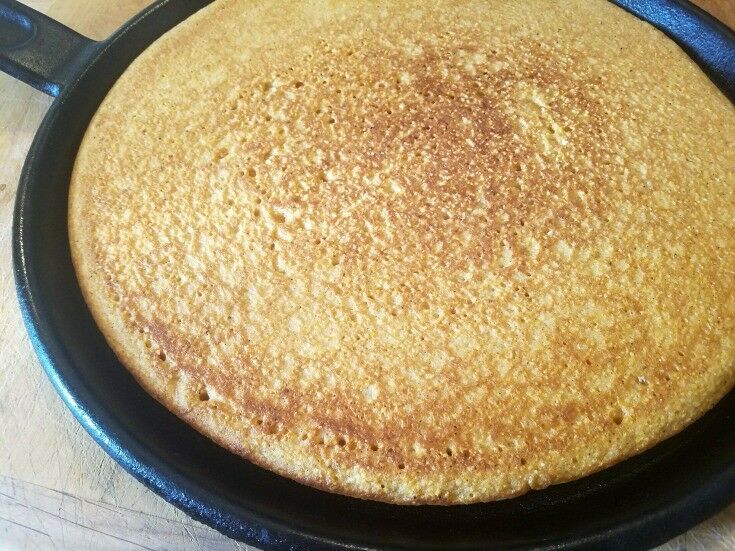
(417, 252)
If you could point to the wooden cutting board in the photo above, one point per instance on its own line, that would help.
(58, 489)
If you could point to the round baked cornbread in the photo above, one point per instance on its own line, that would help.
(416, 252)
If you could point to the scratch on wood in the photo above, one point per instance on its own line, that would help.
(73, 523)
(59, 515)
(194, 540)
(3, 519)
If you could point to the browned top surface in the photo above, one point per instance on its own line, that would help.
(413, 252)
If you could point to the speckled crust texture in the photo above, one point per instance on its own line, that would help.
(416, 252)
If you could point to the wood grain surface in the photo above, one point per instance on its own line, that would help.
(58, 489)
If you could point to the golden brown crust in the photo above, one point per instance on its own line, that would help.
(416, 252)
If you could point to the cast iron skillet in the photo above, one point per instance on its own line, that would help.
(638, 503)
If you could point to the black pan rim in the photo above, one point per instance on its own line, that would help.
(197, 501)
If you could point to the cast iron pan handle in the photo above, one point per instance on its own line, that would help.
(38, 50)
(709, 42)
